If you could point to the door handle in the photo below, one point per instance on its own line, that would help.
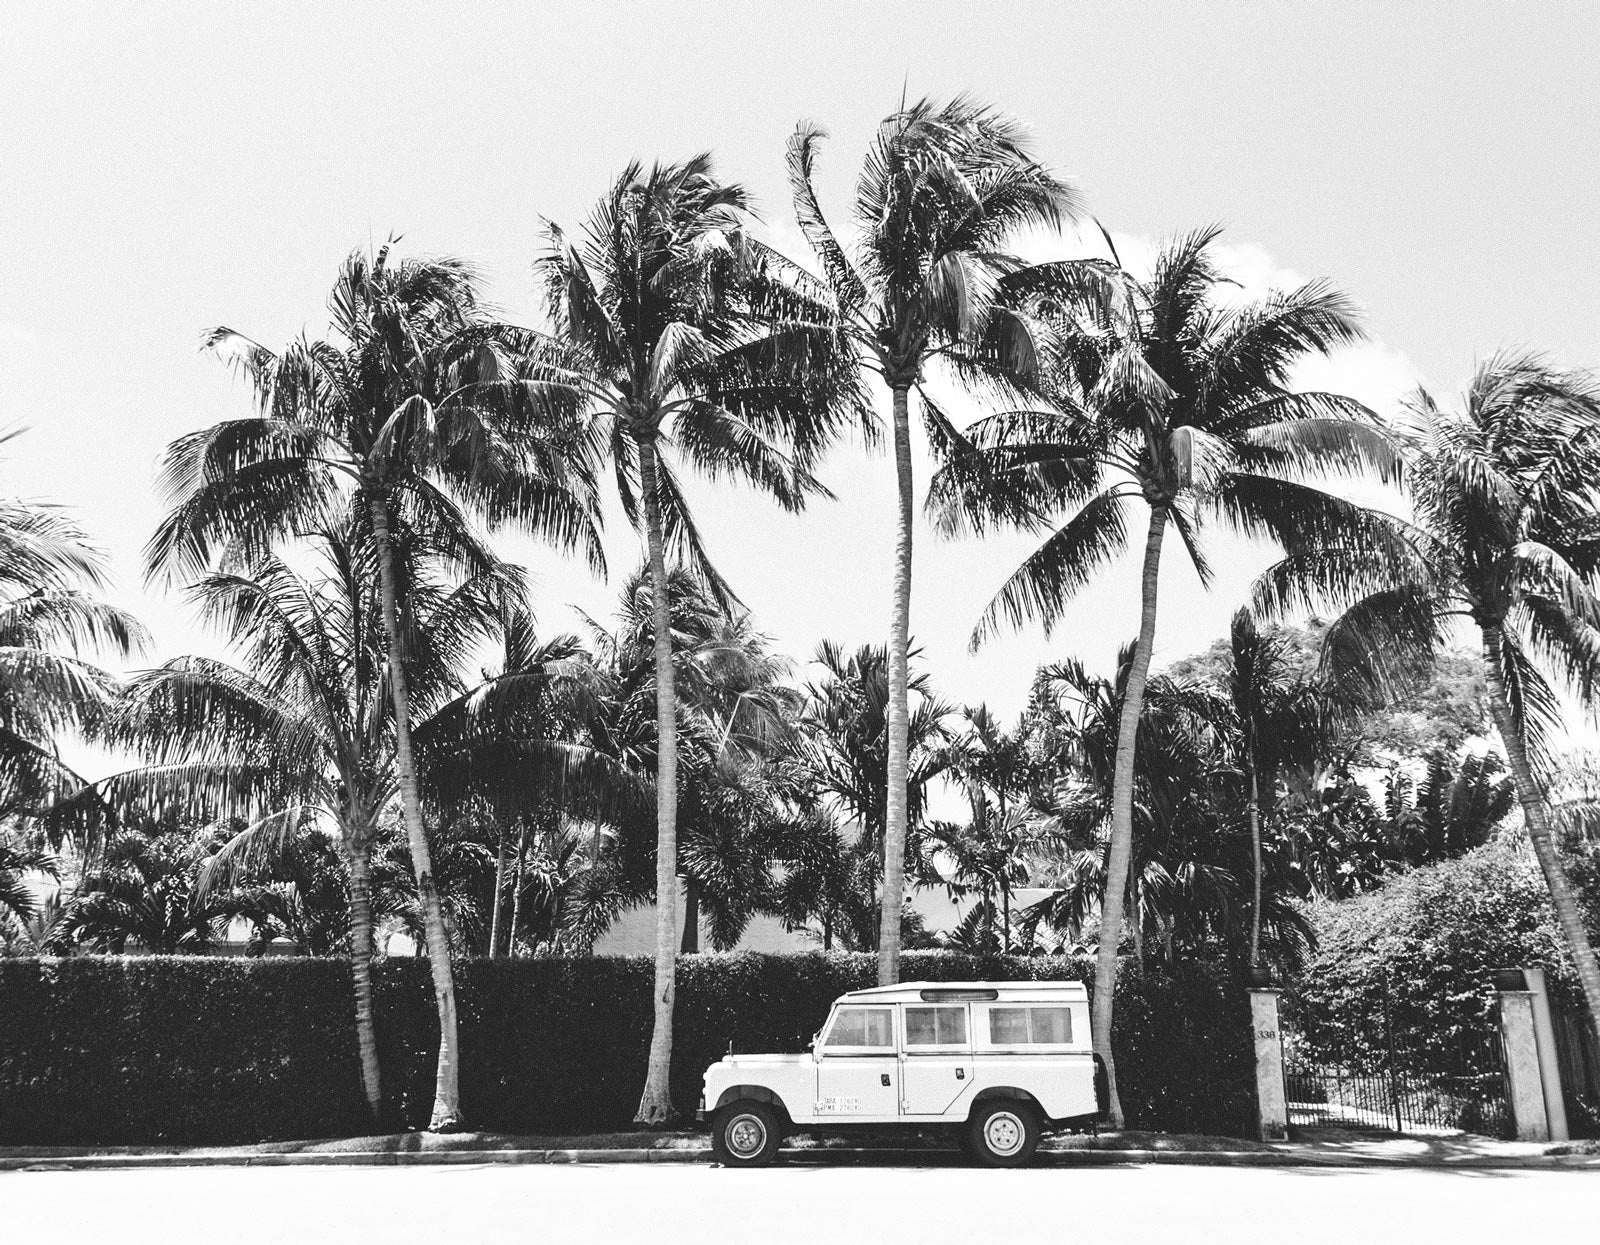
(961, 1074)
(884, 1078)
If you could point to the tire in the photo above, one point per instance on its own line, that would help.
(745, 1134)
(1003, 1133)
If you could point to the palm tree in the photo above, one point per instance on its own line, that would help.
(143, 886)
(1187, 882)
(1181, 402)
(942, 189)
(20, 905)
(741, 779)
(302, 737)
(1277, 721)
(679, 332)
(414, 410)
(849, 725)
(48, 570)
(991, 854)
(996, 768)
(517, 747)
(1505, 532)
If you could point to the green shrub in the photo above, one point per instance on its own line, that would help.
(1429, 940)
(196, 1051)
(185, 1049)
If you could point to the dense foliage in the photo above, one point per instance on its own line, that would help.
(1429, 940)
(89, 1053)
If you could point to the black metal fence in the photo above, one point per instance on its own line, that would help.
(1380, 1075)
(1578, 1056)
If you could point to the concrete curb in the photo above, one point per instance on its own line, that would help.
(807, 1158)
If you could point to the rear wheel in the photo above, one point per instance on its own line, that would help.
(1004, 1133)
(745, 1134)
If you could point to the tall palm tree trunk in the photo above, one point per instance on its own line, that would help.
(499, 893)
(1005, 900)
(691, 917)
(1120, 855)
(894, 830)
(1255, 858)
(655, 1106)
(1568, 914)
(446, 1115)
(359, 853)
(516, 884)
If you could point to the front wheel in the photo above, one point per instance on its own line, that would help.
(745, 1134)
(1003, 1134)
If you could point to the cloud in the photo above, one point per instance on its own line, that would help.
(14, 337)
(1372, 372)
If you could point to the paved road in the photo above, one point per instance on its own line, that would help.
(812, 1204)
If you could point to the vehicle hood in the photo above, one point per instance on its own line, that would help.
(761, 1061)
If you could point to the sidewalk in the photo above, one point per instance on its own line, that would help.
(1325, 1148)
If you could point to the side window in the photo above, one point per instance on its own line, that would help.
(1030, 1026)
(1008, 1026)
(861, 1026)
(1050, 1024)
(936, 1026)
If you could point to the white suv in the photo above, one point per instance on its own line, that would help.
(999, 1060)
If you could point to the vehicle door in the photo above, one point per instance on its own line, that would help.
(937, 1063)
(857, 1065)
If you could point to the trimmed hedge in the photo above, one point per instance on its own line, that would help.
(190, 1050)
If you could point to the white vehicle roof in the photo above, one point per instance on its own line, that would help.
(976, 991)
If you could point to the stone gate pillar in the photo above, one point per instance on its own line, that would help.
(1525, 1085)
(1544, 1034)
(1272, 1107)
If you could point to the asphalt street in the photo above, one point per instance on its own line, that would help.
(794, 1202)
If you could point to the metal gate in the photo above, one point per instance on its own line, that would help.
(1367, 1071)
(1578, 1056)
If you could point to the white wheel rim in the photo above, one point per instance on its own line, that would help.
(746, 1135)
(1004, 1134)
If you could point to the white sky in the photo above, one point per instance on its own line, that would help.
(166, 167)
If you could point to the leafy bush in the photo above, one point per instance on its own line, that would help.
(196, 1050)
(1430, 939)
(175, 1049)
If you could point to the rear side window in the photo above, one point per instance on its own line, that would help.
(862, 1026)
(1030, 1026)
(936, 1026)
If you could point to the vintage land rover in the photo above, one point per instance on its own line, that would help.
(997, 1061)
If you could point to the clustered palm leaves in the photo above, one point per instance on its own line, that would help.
(397, 747)
(992, 853)
(49, 618)
(849, 717)
(1190, 878)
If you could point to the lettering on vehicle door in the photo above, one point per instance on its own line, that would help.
(837, 1105)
